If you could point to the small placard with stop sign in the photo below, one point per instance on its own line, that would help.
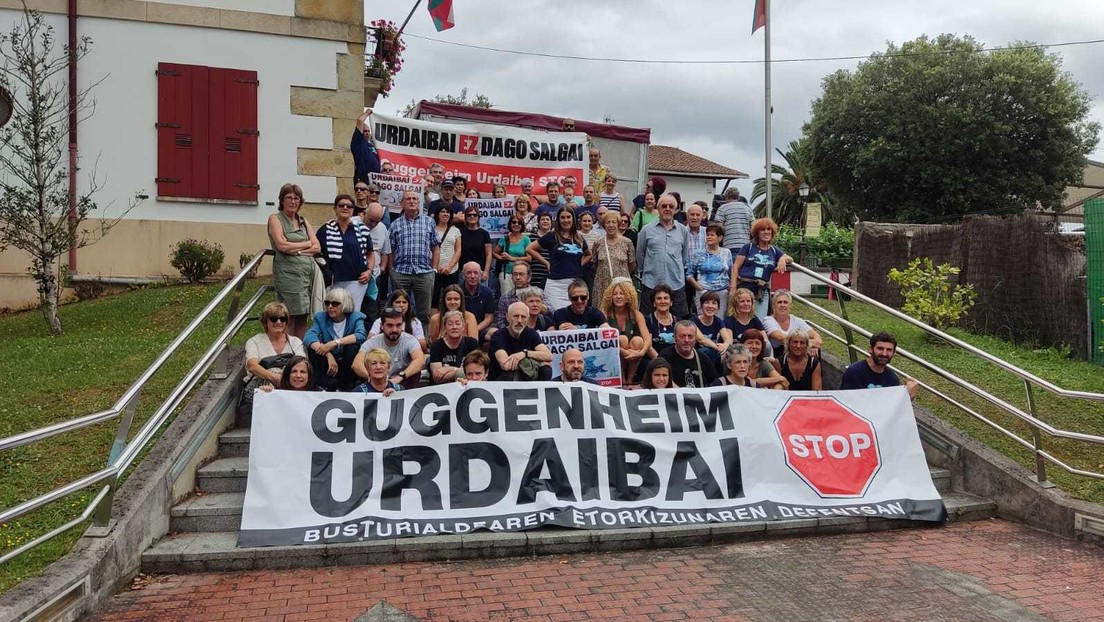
(829, 446)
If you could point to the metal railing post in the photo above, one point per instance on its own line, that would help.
(101, 518)
(222, 363)
(846, 328)
(1037, 441)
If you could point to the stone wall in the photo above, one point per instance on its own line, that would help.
(1030, 281)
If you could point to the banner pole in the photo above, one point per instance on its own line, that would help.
(408, 16)
(767, 112)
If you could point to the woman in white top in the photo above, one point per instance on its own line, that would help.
(780, 324)
(273, 341)
(448, 260)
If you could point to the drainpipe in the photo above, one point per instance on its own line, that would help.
(72, 132)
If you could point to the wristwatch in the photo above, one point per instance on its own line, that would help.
(402, 374)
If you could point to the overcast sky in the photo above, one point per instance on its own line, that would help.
(713, 110)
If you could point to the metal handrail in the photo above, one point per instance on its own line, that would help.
(123, 455)
(1037, 425)
(1022, 373)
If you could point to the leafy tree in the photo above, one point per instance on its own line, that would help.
(787, 205)
(938, 128)
(479, 101)
(34, 182)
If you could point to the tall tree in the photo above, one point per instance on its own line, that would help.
(34, 181)
(787, 205)
(939, 128)
(479, 101)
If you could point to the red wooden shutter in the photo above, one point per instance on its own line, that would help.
(182, 130)
(233, 134)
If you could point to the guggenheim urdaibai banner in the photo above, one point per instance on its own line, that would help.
(343, 467)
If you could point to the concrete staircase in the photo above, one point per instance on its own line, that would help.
(204, 530)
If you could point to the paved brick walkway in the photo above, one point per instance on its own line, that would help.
(989, 570)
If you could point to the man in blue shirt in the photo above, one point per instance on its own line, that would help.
(366, 159)
(873, 372)
(662, 252)
(553, 204)
(414, 249)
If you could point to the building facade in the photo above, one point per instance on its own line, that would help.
(205, 108)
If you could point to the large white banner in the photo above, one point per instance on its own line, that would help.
(483, 154)
(333, 467)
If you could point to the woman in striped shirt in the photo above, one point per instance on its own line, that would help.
(610, 198)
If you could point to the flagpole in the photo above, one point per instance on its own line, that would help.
(767, 111)
(408, 16)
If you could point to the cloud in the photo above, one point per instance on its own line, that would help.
(715, 111)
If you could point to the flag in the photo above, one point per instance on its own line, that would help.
(758, 20)
(441, 12)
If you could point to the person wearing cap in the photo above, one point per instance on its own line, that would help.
(448, 199)
(366, 159)
(475, 243)
(347, 248)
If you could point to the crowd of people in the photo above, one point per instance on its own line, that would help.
(425, 295)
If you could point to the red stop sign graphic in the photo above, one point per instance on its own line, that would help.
(828, 445)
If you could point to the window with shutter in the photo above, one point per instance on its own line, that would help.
(206, 133)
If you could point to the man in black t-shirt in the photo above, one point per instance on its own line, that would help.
(874, 372)
(517, 343)
(579, 314)
(446, 355)
(688, 368)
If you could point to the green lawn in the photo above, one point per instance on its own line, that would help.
(107, 343)
(1047, 363)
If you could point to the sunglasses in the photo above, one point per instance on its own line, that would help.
(515, 223)
(362, 190)
(582, 298)
(333, 303)
(345, 205)
(373, 192)
(280, 318)
(471, 215)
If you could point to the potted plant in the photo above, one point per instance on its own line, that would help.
(387, 59)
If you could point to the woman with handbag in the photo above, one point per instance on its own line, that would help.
(614, 255)
(267, 353)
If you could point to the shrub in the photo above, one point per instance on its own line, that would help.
(832, 243)
(929, 295)
(245, 258)
(788, 239)
(197, 259)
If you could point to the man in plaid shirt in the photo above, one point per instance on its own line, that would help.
(414, 252)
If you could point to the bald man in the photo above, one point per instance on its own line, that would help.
(572, 365)
(517, 343)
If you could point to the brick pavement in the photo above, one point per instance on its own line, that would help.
(987, 570)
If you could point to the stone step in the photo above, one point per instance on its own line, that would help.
(223, 475)
(205, 551)
(941, 478)
(215, 511)
(234, 443)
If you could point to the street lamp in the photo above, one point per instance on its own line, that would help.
(803, 192)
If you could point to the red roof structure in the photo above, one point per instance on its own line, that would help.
(674, 161)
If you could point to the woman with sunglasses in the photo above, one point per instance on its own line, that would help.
(274, 341)
(510, 249)
(333, 340)
(347, 248)
(568, 253)
(448, 259)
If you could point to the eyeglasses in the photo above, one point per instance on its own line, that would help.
(333, 303)
(281, 318)
(582, 298)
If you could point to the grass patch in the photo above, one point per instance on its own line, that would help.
(107, 343)
(1048, 363)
